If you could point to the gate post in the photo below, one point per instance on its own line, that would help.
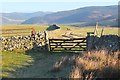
(90, 40)
(46, 41)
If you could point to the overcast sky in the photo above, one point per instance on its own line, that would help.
(50, 5)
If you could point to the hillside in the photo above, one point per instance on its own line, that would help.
(105, 15)
(17, 17)
(9, 21)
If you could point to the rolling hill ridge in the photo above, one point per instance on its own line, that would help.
(86, 16)
(105, 15)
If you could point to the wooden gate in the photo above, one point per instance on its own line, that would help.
(75, 44)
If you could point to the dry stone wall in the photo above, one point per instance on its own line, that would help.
(39, 42)
(107, 42)
(23, 42)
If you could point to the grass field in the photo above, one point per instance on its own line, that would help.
(27, 28)
(81, 31)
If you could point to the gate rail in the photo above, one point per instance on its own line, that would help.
(75, 44)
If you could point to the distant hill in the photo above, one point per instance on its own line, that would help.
(17, 17)
(88, 16)
(5, 20)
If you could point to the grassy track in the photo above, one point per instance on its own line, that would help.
(17, 66)
(11, 61)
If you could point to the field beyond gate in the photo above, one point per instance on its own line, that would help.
(75, 44)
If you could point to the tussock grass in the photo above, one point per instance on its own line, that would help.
(99, 64)
(60, 64)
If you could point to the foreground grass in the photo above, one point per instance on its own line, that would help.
(11, 61)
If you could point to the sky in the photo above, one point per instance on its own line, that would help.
(50, 5)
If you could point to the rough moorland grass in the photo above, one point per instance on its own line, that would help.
(11, 61)
(99, 64)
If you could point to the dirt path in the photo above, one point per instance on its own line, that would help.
(43, 65)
